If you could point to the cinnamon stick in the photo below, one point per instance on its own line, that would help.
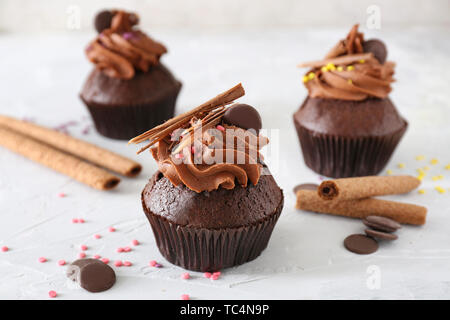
(360, 208)
(92, 153)
(365, 187)
(57, 160)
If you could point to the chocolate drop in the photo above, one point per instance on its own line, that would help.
(378, 49)
(243, 116)
(103, 20)
(92, 274)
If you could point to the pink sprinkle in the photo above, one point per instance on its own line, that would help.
(127, 264)
(221, 128)
(152, 263)
(112, 229)
(179, 156)
(5, 248)
(118, 263)
(62, 262)
(83, 247)
(82, 255)
(185, 297)
(61, 195)
(105, 260)
(75, 220)
(96, 256)
(214, 277)
(185, 276)
(42, 260)
(97, 236)
(119, 249)
(135, 242)
(207, 275)
(52, 294)
(81, 220)
(127, 249)
(217, 273)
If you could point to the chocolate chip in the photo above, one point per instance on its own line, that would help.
(381, 223)
(378, 49)
(360, 244)
(243, 116)
(306, 186)
(92, 274)
(380, 234)
(103, 20)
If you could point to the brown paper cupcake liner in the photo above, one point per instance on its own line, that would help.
(341, 157)
(126, 122)
(201, 249)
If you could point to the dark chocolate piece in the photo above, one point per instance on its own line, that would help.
(306, 186)
(360, 244)
(92, 274)
(103, 20)
(381, 223)
(243, 116)
(380, 234)
(378, 49)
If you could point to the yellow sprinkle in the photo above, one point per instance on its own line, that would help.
(439, 177)
(420, 177)
(350, 81)
(331, 66)
(305, 79)
(362, 61)
(421, 191)
(389, 171)
(434, 161)
(350, 68)
(440, 189)
(421, 172)
(401, 165)
(324, 69)
(340, 68)
(426, 168)
(311, 75)
(447, 167)
(418, 158)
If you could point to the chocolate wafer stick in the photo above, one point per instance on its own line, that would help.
(79, 148)
(401, 212)
(365, 187)
(57, 160)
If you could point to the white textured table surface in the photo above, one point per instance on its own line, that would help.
(41, 78)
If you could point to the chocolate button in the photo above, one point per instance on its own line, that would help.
(306, 186)
(360, 244)
(103, 20)
(381, 223)
(380, 234)
(92, 274)
(243, 116)
(378, 49)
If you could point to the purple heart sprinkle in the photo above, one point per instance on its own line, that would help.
(128, 35)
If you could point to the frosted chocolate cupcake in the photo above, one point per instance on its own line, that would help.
(348, 126)
(213, 203)
(129, 90)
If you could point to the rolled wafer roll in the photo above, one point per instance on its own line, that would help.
(79, 148)
(57, 160)
(365, 187)
(360, 208)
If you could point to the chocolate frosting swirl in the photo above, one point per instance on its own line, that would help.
(349, 73)
(215, 158)
(121, 49)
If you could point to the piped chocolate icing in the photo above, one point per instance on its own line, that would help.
(354, 69)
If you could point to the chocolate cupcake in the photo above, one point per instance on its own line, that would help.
(129, 90)
(213, 203)
(348, 126)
